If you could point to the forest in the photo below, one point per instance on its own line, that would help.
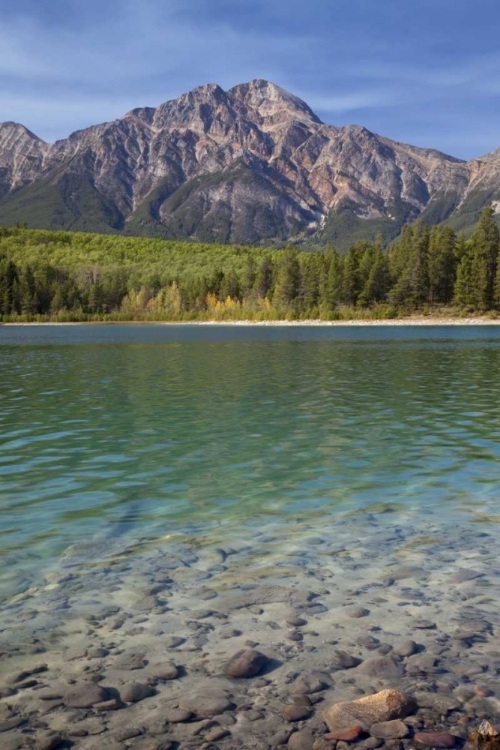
(65, 276)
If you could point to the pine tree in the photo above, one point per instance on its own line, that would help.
(484, 244)
(410, 267)
(9, 287)
(352, 278)
(464, 284)
(310, 275)
(28, 292)
(377, 283)
(287, 282)
(264, 278)
(332, 284)
(441, 264)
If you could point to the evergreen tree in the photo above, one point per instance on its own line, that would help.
(287, 282)
(441, 264)
(229, 286)
(28, 292)
(464, 285)
(377, 282)
(264, 278)
(353, 282)
(9, 287)
(332, 285)
(484, 247)
(410, 267)
(308, 295)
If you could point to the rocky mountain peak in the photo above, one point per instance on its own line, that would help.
(253, 164)
(15, 131)
(272, 102)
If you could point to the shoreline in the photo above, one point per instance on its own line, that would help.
(410, 321)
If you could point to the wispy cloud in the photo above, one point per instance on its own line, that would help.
(351, 102)
(66, 64)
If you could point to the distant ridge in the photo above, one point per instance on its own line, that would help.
(250, 165)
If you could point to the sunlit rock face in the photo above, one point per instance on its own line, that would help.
(252, 164)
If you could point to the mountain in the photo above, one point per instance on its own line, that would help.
(250, 165)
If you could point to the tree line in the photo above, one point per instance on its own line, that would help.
(73, 276)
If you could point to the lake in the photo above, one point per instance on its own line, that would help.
(152, 476)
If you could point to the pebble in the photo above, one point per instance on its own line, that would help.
(382, 667)
(295, 621)
(300, 699)
(84, 695)
(48, 740)
(166, 671)
(371, 743)
(357, 612)
(112, 705)
(389, 730)
(127, 734)
(128, 661)
(317, 609)
(133, 692)
(308, 685)
(435, 739)
(215, 734)
(465, 574)
(246, 663)
(302, 740)
(252, 715)
(294, 712)
(205, 705)
(386, 705)
(342, 660)
(406, 647)
(421, 624)
(322, 744)
(177, 715)
(280, 737)
(14, 742)
(346, 735)
(173, 641)
(441, 703)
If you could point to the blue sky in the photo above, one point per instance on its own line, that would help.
(425, 72)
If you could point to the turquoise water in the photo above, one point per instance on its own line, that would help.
(138, 432)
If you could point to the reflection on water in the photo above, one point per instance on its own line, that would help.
(139, 432)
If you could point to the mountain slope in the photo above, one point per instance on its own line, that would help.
(250, 165)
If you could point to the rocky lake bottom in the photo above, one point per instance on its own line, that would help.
(224, 538)
(123, 647)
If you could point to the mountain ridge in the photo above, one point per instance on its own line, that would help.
(251, 165)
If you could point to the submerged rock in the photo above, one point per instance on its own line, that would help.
(205, 706)
(246, 663)
(406, 647)
(436, 739)
(294, 712)
(84, 695)
(302, 740)
(357, 612)
(372, 709)
(133, 692)
(346, 735)
(389, 730)
(486, 737)
(167, 671)
(342, 660)
(382, 667)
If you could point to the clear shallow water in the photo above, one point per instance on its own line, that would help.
(141, 432)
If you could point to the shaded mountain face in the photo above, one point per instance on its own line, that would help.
(250, 165)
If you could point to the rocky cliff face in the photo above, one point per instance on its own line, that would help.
(252, 164)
